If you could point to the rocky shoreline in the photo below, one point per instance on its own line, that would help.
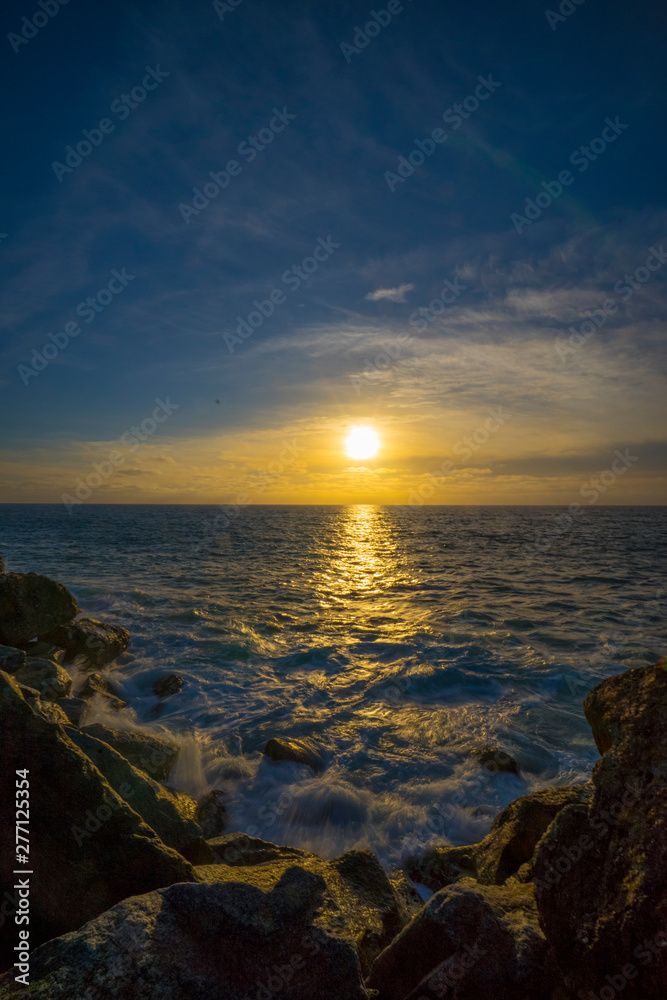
(136, 891)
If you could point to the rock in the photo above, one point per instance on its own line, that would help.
(98, 686)
(506, 850)
(211, 813)
(234, 849)
(168, 684)
(601, 869)
(299, 751)
(44, 651)
(470, 942)
(31, 605)
(161, 810)
(47, 677)
(154, 756)
(11, 659)
(494, 760)
(73, 709)
(50, 710)
(358, 904)
(92, 848)
(95, 643)
(202, 942)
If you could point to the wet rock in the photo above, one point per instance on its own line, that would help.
(47, 677)
(30, 605)
(299, 751)
(357, 905)
(93, 849)
(601, 869)
(199, 942)
(233, 849)
(96, 685)
(495, 760)
(470, 942)
(44, 651)
(509, 847)
(11, 659)
(168, 684)
(211, 813)
(162, 810)
(73, 709)
(95, 643)
(148, 753)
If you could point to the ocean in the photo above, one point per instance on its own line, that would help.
(398, 639)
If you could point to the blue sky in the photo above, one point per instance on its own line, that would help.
(344, 343)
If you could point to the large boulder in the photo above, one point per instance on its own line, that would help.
(166, 813)
(601, 869)
(92, 643)
(90, 848)
(298, 751)
(154, 756)
(45, 676)
(30, 605)
(470, 942)
(358, 903)
(507, 849)
(231, 940)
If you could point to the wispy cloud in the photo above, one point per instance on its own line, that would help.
(391, 294)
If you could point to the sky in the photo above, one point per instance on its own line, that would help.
(232, 231)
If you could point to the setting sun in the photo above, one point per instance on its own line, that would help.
(362, 442)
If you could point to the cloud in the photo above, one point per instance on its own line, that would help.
(392, 294)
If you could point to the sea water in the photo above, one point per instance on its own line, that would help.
(397, 639)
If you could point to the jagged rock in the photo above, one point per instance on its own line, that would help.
(211, 813)
(11, 659)
(73, 709)
(601, 869)
(94, 643)
(495, 760)
(203, 942)
(168, 684)
(358, 903)
(150, 754)
(299, 751)
(47, 677)
(96, 685)
(232, 849)
(164, 811)
(92, 848)
(506, 850)
(470, 942)
(30, 605)
(49, 710)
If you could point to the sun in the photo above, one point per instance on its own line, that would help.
(362, 442)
